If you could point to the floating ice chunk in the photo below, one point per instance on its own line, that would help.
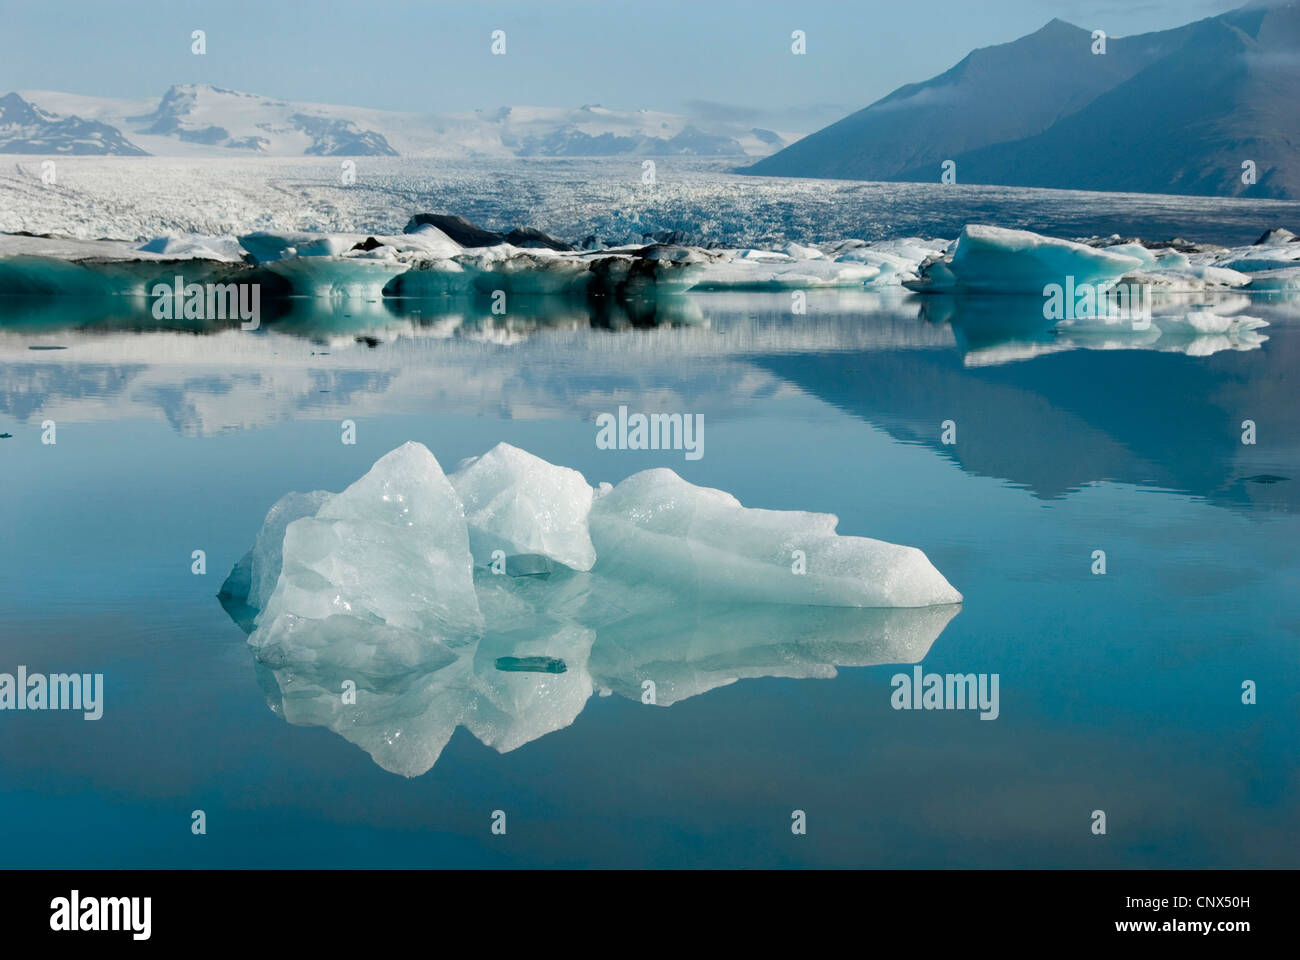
(521, 504)
(897, 260)
(337, 276)
(998, 260)
(375, 585)
(1259, 264)
(53, 266)
(657, 527)
(1287, 280)
(390, 553)
(50, 277)
(379, 579)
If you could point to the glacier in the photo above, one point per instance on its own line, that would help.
(503, 596)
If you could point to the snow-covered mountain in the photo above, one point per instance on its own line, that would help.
(215, 117)
(1174, 111)
(201, 120)
(25, 128)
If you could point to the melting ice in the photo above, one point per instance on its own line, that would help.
(501, 597)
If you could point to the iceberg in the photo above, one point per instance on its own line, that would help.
(1276, 281)
(1198, 333)
(998, 260)
(405, 720)
(394, 548)
(652, 579)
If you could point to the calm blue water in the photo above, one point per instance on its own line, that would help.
(1119, 692)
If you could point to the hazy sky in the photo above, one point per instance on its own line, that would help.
(704, 57)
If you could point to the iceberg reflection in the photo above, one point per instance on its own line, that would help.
(405, 721)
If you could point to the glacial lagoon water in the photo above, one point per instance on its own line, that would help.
(1119, 692)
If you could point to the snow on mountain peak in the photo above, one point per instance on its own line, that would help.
(27, 128)
(199, 119)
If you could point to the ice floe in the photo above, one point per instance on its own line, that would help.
(997, 260)
(500, 598)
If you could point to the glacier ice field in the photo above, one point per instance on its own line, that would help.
(644, 656)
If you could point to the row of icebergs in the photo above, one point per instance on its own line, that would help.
(427, 260)
(491, 598)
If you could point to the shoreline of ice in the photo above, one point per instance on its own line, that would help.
(440, 256)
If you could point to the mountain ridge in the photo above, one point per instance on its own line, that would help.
(26, 128)
(206, 120)
(1172, 111)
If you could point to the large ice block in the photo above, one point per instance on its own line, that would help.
(997, 260)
